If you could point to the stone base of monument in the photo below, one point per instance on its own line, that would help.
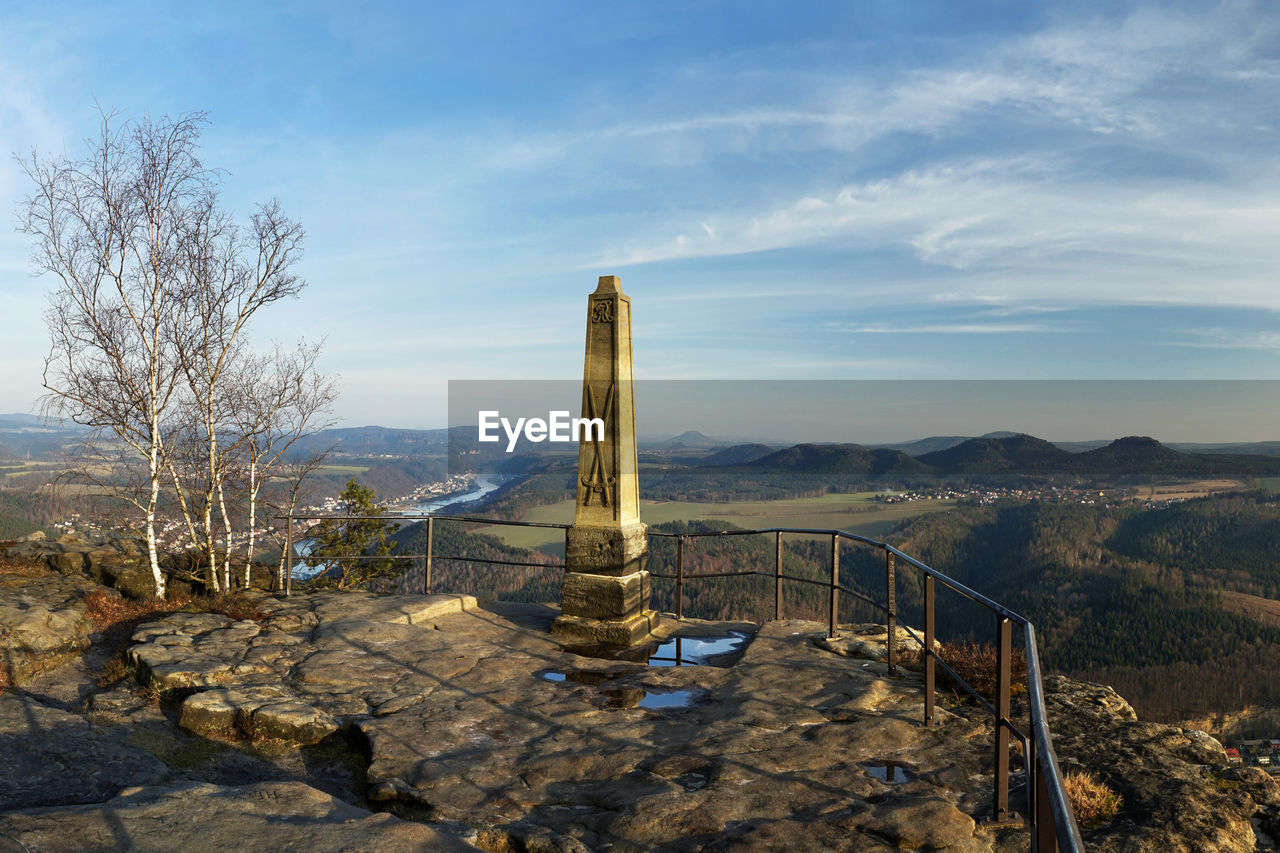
(575, 630)
(606, 550)
(605, 609)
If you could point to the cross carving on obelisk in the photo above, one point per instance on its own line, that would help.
(605, 594)
(597, 481)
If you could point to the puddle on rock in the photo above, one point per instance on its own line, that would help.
(587, 676)
(667, 698)
(721, 650)
(636, 654)
(652, 697)
(890, 772)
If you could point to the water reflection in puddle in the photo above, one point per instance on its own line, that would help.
(646, 697)
(700, 651)
(582, 676)
(721, 650)
(667, 699)
(891, 772)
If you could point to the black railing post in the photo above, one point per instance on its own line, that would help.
(288, 554)
(777, 577)
(426, 577)
(680, 577)
(1004, 635)
(834, 608)
(930, 671)
(891, 612)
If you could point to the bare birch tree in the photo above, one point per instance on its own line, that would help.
(229, 278)
(112, 228)
(285, 400)
(157, 287)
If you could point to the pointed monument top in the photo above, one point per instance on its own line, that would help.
(609, 284)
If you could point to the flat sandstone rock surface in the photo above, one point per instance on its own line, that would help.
(472, 725)
(276, 816)
(478, 717)
(53, 757)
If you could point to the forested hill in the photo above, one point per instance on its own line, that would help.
(1016, 454)
(1170, 606)
(990, 455)
(839, 459)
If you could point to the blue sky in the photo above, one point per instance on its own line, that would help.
(788, 191)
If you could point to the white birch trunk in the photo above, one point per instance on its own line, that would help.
(253, 508)
(226, 540)
(154, 470)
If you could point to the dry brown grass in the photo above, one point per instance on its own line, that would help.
(23, 567)
(108, 610)
(117, 618)
(974, 662)
(113, 671)
(1093, 802)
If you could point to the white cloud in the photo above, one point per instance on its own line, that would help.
(949, 329)
(1230, 339)
(1140, 241)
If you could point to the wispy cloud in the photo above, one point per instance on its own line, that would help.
(1230, 339)
(951, 329)
(1026, 214)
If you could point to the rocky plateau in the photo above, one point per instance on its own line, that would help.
(351, 721)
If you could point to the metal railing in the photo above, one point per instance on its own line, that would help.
(291, 555)
(1049, 816)
(1052, 823)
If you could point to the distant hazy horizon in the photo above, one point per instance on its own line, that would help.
(887, 411)
(892, 411)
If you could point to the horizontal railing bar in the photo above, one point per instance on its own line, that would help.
(859, 595)
(711, 575)
(955, 585)
(322, 558)
(500, 562)
(480, 520)
(1017, 732)
(956, 676)
(866, 540)
(811, 581)
(415, 518)
(806, 531)
(664, 535)
(334, 558)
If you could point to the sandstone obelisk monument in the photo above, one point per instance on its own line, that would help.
(605, 595)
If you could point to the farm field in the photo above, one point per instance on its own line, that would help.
(855, 512)
(1195, 489)
(342, 469)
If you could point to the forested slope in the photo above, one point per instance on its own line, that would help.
(1128, 595)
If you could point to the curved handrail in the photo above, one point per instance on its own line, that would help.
(1053, 825)
(1052, 822)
